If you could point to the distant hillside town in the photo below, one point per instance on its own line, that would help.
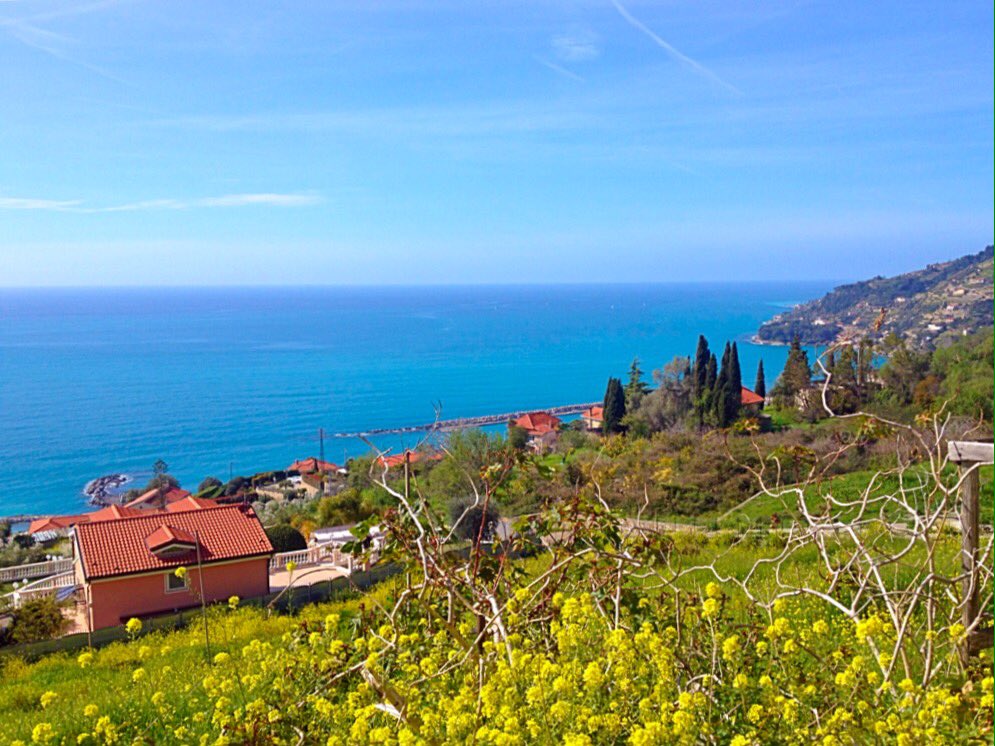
(927, 308)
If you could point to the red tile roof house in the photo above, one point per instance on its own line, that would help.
(750, 401)
(126, 566)
(413, 457)
(57, 524)
(542, 428)
(156, 499)
(593, 417)
(313, 465)
(315, 476)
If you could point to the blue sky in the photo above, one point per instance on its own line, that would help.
(409, 141)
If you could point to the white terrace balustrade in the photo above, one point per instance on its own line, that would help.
(321, 554)
(45, 587)
(35, 570)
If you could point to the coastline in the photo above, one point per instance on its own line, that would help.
(253, 390)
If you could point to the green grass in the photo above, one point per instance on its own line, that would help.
(176, 662)
(177, 656)
(848, 488)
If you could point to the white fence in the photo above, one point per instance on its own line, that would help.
(35, 570)
(44, 587)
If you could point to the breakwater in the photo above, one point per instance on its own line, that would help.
(465, 422)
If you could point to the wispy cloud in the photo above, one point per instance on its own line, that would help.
(56, 45)
(270, 199)
(576, 46)
(559, 69)
(28, 203)
(671, 50)
(263, 199)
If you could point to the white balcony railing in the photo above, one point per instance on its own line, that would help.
(35, 570)
(320, 554)
(45, 587)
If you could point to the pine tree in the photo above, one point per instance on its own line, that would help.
(844, 368)
(636, 387)
(797, 373)
(614, 406)
(760, 387)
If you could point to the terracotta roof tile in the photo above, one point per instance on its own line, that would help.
(173, 494)
(56, 522)
(191, 503)
(312, 465)
(594, 413)
(538, 423)
(167, 535)
(415, 456)
(748, 397)
(114, 512)
(118, 547)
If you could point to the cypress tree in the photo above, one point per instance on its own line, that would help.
(711, 375)
(701, 358)
(760, 387)
(614, 406)
(734, 386)
(720, 394)
(707, 397)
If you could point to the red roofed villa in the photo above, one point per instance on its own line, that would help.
(541, 427)
(156, 499)
(57, 524)
(750, 400)
(313, 465)
(538, 423)
(126, 566)
(413, 457)
(593, 417)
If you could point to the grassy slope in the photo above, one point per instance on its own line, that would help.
(845, 487)
(176, 663)
(176, 659)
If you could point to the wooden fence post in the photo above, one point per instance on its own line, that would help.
(969, 456)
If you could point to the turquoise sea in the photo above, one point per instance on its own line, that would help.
(96, 381)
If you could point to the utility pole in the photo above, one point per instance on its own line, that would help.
(203, 600)
(407, 475)
(321, 442)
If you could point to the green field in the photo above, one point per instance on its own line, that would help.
(846, 488)
(284, 673)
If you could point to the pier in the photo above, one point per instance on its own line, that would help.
(464, 422)
(21, 518)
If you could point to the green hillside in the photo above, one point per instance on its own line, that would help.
(928, 307)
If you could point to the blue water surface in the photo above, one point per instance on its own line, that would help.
(95, 381)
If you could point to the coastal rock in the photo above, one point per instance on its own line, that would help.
(101, 490)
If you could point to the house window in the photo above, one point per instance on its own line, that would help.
(175, 584)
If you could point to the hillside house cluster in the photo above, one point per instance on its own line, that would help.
(126, 566)
(124, 557)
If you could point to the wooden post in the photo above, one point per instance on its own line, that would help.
(203, 600)
(969, 548)
(969, 456)
(407, 475)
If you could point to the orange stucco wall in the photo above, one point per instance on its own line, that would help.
(117, 599)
